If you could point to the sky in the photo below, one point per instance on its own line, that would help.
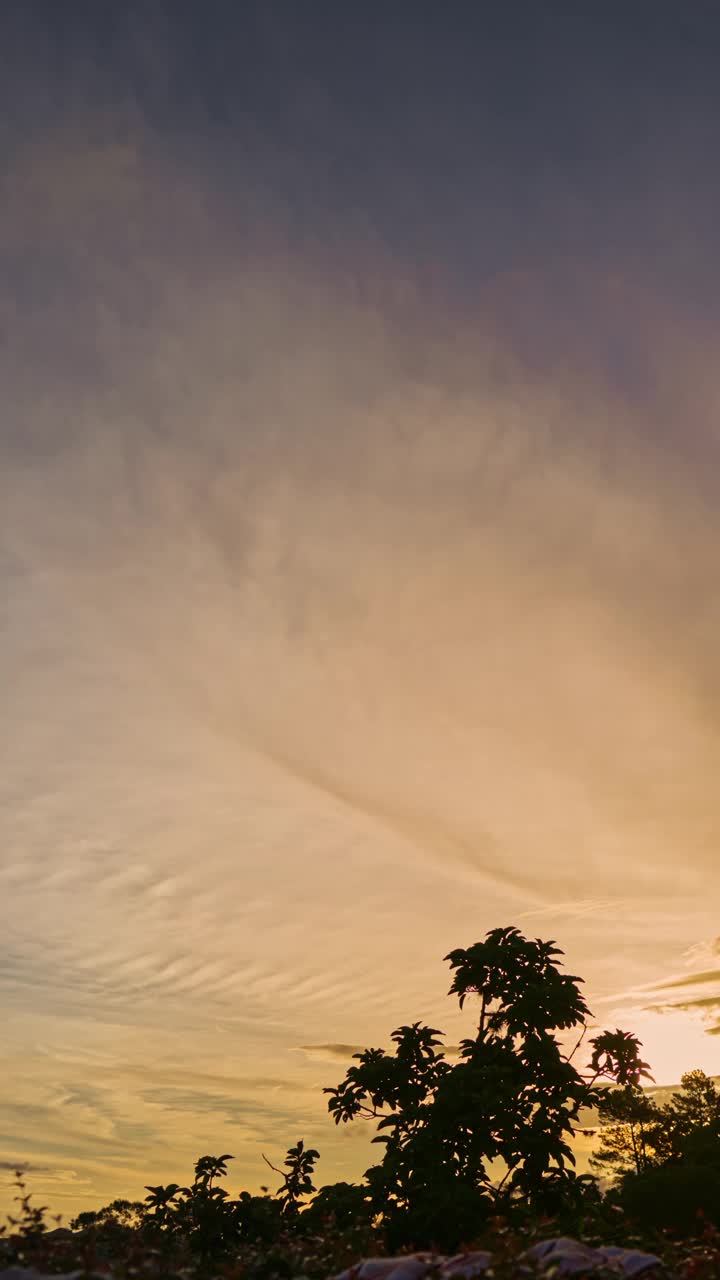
(359, 551)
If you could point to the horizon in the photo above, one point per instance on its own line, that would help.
(359, 549)
(583, 1148)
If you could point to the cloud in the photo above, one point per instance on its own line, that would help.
(674, 1017)
(337, 631)
(703, 1002)
(324, 1051)
(24, 1166)
(577, 909)
(692, 980)
(347, 1051)
(705, 1005)
(703, 952)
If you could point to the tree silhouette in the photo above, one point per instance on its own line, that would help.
(638, 1135)
(690, 1121)
(512, 1101)
(629, 1120)
(113, 1220)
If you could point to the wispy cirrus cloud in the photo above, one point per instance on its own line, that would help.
(691, 980)
(339, 625)
(678, 993)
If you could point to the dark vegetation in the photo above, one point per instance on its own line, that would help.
(474, 1153)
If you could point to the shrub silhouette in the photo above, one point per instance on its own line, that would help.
(682, 1197)
(210, 1223)
(258, 1218)
(341, 1204)
(297, 1177)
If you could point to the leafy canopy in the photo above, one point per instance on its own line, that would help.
(511, 1102)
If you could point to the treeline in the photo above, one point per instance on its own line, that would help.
(512, 1101)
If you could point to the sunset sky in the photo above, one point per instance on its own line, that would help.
(359, 550)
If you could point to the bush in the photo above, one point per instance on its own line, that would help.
(682, 1197)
